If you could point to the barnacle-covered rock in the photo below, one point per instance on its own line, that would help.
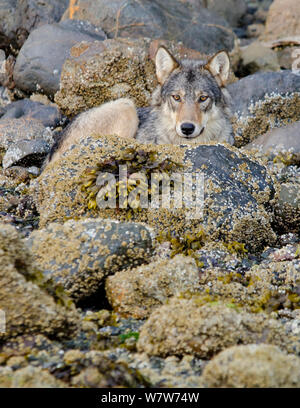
(79, 254)
(233, 207)
(137, 292)
(264, 101)
(28, 308)
(28, 377)
(183, 326)
(252, 366)
(99, 71)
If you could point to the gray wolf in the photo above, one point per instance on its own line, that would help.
(190, 105)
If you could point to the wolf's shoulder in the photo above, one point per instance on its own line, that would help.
(144, 114)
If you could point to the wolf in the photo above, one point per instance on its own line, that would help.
(190, 105)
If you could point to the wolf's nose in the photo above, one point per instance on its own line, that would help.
(187, 128)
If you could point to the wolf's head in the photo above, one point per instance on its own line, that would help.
(191, 95)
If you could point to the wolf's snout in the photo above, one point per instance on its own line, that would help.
(187, 128)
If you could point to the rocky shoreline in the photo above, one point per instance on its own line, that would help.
(101, 298)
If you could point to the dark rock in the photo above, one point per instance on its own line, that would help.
(49, 115)
(19, 17)
(79, 254)
(184, 21)
(26, 153)
(263, 101)
(40, 60)
(13, 130)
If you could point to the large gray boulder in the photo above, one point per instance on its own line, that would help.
(38, 65)
(19, 17)
(189, 22)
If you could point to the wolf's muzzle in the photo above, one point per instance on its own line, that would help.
(187, 128)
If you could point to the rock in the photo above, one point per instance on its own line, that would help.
(27, 308)
(236, 189)
(101, 71)
(171, 372)
(185, 327)
(283, 19)
(232, 10)
(4, 99)
(38, 65)
(256, 57)
(195, 26)
(279, 141)
(252, 366)
(263, 101)
(28, 377)
(6, 70)
(287, 208)
(255, 30)
(19, 17)
(86, 251)
(49, 115)
(97, 370)
(137, 292)
(270, 286)
(15, 130)
(26, 153)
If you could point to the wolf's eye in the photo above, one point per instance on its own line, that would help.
(203, 98)
(176, 98)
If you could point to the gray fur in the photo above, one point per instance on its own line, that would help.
(162, 122)
(190, 77)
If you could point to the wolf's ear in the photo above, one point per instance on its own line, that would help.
(219, 66)
(165, 64)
